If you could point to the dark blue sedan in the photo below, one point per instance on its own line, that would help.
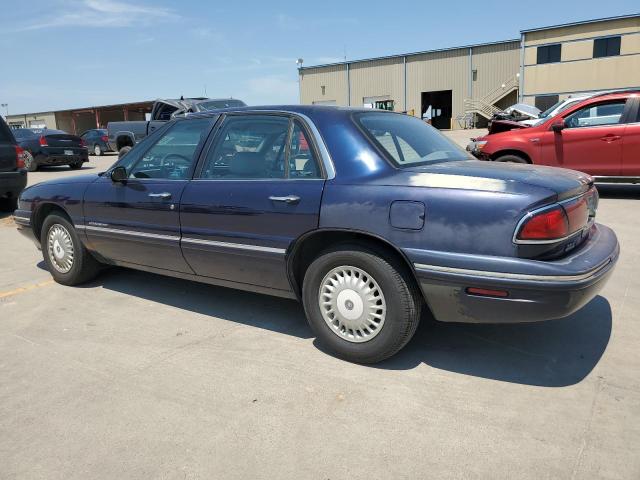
(367, 217)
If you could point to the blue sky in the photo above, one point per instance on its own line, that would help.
(73, 53)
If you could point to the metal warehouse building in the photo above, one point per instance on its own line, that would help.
(461, 86)
(79, 120)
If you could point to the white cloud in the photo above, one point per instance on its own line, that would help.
(103, 13)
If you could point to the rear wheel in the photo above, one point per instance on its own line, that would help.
(97, 150)
(511, 158)
(68, 261)
(75, 165)
(362, 307)
(29, 162)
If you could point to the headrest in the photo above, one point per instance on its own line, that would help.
(247, 164)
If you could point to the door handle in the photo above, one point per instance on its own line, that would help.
(163, 195)
(610, 138)
(289, 199)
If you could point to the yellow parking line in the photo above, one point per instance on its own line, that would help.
(28, 288)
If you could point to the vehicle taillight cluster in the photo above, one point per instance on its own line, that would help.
(559, 221)
(19, 157)
(83, 143)
(104, 138)
(43, 141)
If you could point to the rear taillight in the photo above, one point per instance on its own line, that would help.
(547, 225)
(557, 222)
(43, 141)
(82, 143)
(104, 138)
(19, 157)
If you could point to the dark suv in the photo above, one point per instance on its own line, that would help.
(13, 176)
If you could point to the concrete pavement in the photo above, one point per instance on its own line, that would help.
(139, 376)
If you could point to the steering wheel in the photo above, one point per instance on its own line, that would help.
(179, 159)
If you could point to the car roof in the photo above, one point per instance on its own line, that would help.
(307, 110)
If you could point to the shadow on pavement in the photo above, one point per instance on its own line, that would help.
(261, 311)
(555, 353)
(631, 192)
(64, 168)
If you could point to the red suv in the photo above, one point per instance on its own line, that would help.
(599, 136)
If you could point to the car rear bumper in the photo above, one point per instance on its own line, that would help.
(12, 183)
(59, 158)
(536, 290)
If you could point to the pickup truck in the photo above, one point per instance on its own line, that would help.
(122, 136)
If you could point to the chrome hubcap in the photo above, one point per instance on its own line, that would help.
(96, 150)
(60, 248)
(352, 304)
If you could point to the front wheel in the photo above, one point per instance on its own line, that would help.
(66, 258)
(511, 159)
(361, 306)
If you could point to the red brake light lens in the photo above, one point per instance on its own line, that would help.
(43, 141)
(577, 214)
(547, 225)
(83, 143)
(104, 138)
(19, 157)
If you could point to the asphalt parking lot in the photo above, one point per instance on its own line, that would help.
(142, 376)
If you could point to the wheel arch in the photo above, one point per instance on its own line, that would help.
(309, 246)
(41, 212)
(517, 153)
(124, 139)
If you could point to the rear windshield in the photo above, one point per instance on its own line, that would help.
(215, 104)
(409, 141)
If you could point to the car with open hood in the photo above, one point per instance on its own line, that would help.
(367, 217)
(599, 136)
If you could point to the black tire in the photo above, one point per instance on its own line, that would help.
(123, 151)
(29, 162)
(97, 150)
(75, 165)
(84, 267)
(403, 303)
(511, 159)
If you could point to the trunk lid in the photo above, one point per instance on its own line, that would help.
(515, 178)
(62, 140)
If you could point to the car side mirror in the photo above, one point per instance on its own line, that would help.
(558, 127)
(119, 175)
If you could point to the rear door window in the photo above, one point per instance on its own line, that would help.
(249, 147)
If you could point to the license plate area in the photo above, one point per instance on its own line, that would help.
(68, 152)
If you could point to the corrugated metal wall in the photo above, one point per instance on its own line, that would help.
(378, 78)
(448, 70)
(578, 71)
(431, 71)
(334, 80)
(495, 64)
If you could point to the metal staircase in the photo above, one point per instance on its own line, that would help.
(485, 106)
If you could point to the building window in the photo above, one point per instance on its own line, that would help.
(606, 47)
(549, 53)
(544, 102)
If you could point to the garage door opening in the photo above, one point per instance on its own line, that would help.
(437, 108)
